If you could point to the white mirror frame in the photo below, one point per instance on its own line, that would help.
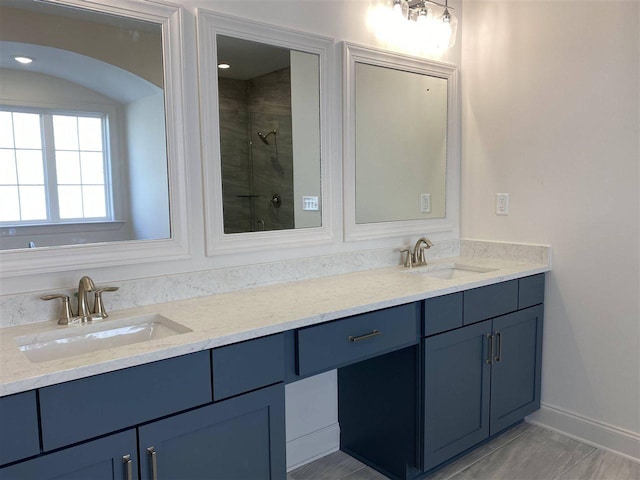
(71, 257)
(211, 24)
(450, 224)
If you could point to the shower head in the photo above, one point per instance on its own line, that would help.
(264, 137)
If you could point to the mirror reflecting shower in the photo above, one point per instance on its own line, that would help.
(256, 142)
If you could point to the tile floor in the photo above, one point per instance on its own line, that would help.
(525, 452)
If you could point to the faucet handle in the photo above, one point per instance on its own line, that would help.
(98, 304)
(65, 312)
(408, 263)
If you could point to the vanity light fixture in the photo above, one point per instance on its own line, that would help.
(23, 60)
(436, 30)
(223, 66)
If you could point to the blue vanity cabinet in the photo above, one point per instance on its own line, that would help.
(19, 434)
(249, 365)
(516, 367)
(242, 438)
(110, 458)
(343, 342)
(82, 409)
(482, 378)
(457, 381)
(185, 436)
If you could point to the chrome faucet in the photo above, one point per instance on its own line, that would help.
(86, 285)
(416, 257)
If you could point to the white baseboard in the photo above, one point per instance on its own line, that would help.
(593, 432)
(312, 446)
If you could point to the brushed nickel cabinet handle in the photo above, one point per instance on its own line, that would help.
(374, 333)
(489, 359)
(154, 462)
(126, 459)
(498, 347)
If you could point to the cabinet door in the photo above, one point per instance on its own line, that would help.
(456, 396)
(19, 435)
(104, 459)
(239, 438)
(515, 377)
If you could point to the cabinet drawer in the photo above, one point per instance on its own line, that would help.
(490, 301)
(338, 343)
(442, 313)
(531, 291)
(247, 366)
(74, 411)
(19, 436)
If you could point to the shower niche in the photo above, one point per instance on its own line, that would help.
(256, 141)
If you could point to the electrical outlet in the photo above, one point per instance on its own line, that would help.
(502, 204)
(425, 203)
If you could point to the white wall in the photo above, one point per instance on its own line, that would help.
(305, 123)
(551, 116)
(147, 163)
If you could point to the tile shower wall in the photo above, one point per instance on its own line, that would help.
(252, 171)
(234, 152)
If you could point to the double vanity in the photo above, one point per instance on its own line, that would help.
(431, 362)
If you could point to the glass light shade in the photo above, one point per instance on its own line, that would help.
(449, 30)
(401, 8)
(425, 15)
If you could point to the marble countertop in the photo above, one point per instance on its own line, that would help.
(233, 317)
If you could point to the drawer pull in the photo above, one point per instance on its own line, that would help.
(154, 462)
(374, 333)
(498, 347)
(489, 359)
(126, 459)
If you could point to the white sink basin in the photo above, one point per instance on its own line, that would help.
(451, 271)
(102, 335)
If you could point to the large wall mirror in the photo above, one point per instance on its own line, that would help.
(264, 95)
(87, 162)
(401, 145)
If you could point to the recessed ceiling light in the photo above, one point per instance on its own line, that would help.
(23, 60)
(224, 66)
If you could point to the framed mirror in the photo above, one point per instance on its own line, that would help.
(264, 98)
(91, 158)
(402, 168)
